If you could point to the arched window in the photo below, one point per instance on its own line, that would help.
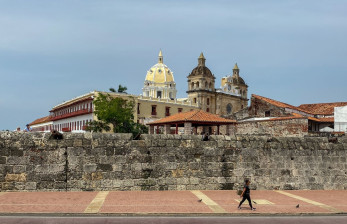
(206, 85)
(210, 86)
(208, 101)
(192, 85)
(229, 108)
(197, 85)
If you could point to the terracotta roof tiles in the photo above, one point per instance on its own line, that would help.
(278, 103)
(322, 108)
(41, 120)
(195, 116)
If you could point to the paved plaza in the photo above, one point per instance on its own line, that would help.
(220, 203)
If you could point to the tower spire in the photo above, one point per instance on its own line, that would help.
(160, 57)
(236, 70)
(201, 60)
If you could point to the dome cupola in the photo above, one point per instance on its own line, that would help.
(159, 82)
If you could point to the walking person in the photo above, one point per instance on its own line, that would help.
(246, 194)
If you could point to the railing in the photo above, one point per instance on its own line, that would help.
(72, 114)
(66, 129)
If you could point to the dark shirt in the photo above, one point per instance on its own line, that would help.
(247, 191)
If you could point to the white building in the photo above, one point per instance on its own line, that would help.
(340, 120)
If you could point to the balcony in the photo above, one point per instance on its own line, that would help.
(72, 114)
(154, 113)
(66, 129)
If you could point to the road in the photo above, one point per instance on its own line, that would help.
(169, 220)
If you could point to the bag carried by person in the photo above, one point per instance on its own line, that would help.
(239, 192)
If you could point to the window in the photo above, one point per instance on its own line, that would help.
(206, 85)
(158, 94)
(229, 108)
(267, 113)
(192, 85)
(138, 108)
(154, 109)
(208, 110)
(197, 85)
(208, 101)
(194, 100)
(167, 111)
(179, 110)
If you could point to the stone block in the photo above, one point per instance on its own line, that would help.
(18, 169)
(194, 180)
(182, 181)
(89, 168)
(128, 183)
(30, 186)
(22, 177)
(2, 160)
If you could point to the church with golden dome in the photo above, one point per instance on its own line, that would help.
(160, 81)
(229, 98)
(158, 99)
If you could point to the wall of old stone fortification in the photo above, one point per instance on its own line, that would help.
(30, 161)
(279, 127)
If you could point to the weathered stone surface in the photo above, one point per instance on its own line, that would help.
(94, 161)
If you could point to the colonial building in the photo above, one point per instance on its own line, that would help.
(43, 124)
(73, 115)
(230, 98)
(268, 116)
(158, 99)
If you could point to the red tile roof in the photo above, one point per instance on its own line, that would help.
(194, 116)
(41, 120)
(278, 103)
(322, 108)
(324, 119)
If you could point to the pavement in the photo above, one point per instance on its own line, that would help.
(173, 203)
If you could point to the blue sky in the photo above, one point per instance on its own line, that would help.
(52, 51)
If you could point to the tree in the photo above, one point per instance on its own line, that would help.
(97, 126)
(122, 89)
(118, 112)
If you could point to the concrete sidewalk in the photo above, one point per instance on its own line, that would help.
(173, 202)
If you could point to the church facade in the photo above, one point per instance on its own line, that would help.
(229, 98)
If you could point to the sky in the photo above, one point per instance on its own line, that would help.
(52, 51)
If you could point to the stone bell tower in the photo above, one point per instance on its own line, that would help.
(201, 86)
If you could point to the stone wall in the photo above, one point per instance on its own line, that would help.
(278, 127)
(33, 162)
(258, 108)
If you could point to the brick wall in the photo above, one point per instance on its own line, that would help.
(33, 162)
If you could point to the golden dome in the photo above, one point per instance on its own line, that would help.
(159, 73)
